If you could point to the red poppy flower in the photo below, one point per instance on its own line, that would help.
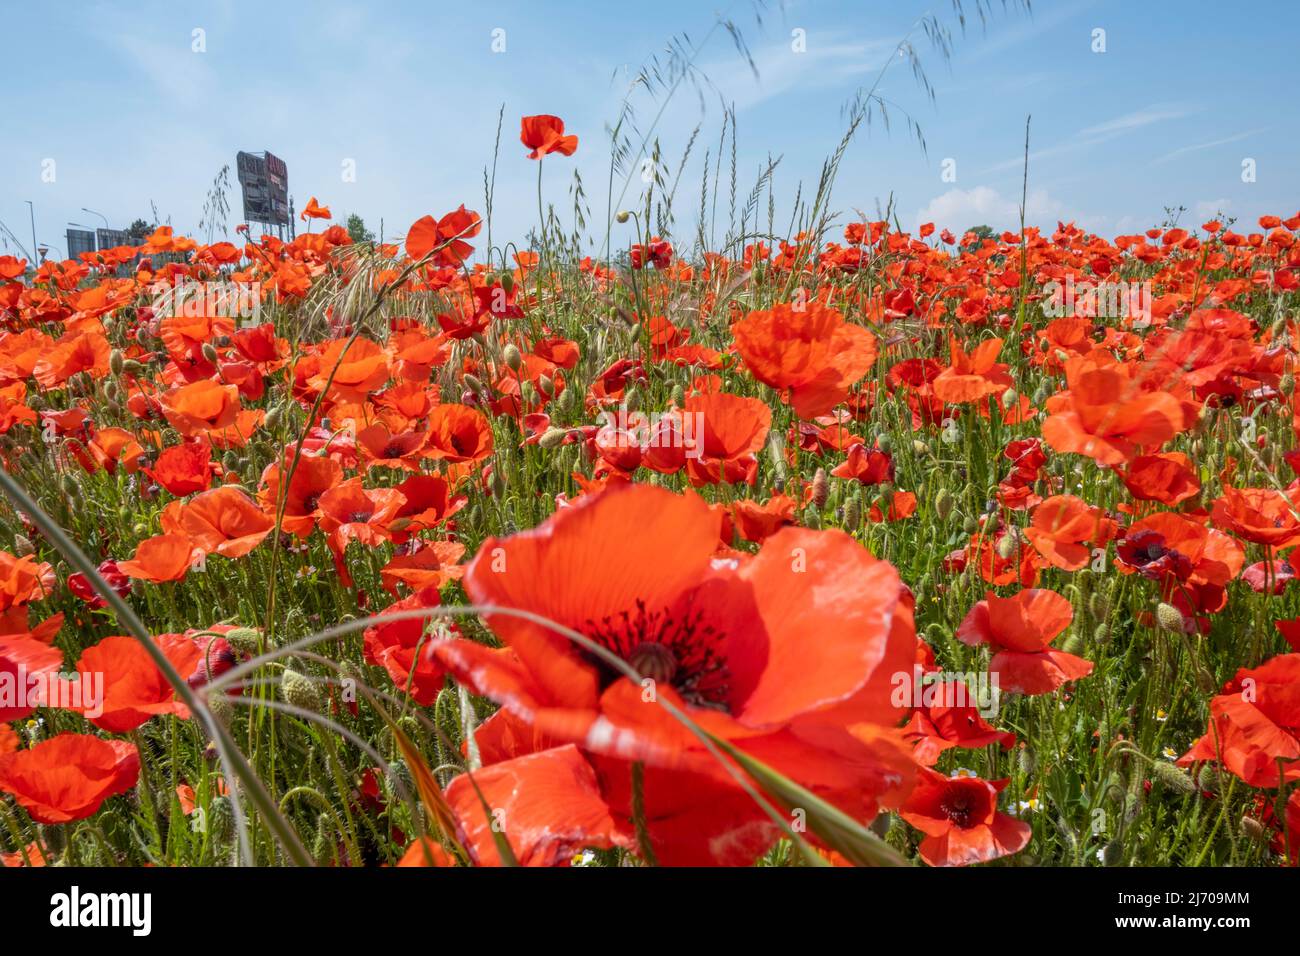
(1062, 525)
(22, 659)
(458, 433)
(135, 690)
(1105, 413)
(1021, 629)
(544, 134)
(961, 820)
(1261, 515)
(224, 521)
(631, 568)
(183, 469)
(68, 777)
(811, 352)
(1255, 724)
(164, 557)
(969, 378)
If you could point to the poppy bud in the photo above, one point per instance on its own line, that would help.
(1170, 618)
(821, 488)
(884, 443)
(69, 486)
(322, 848)
(1112, 854)
(1006, 547)
(300, 691)
(1009, 398)
(474, 383)
(508, 282)
(1172, 777)
(943, 504)
(812, 517)
(116, 361)
(400, 773)
(1205, 681)
(678, 395)
(246, 640)
(498, 483)
(1209, 779)
(230, 461)
(852, 514)
(632, 400)
(23, 546)
(970, 525)
(1098, 606)
(132, 367)
(1027, 760)
(552, 438)
(510, 355)
(273, 416)
(622, 216)
(1252, 829)
(546, 385)
(210, 352)
(1288, 383)
(1072, 644)
(221, 819)
(1101, 635)
(919, 447)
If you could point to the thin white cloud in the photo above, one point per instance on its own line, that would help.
(1182, 151)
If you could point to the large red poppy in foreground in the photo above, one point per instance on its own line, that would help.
(788, 654)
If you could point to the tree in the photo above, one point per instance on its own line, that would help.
(357, 229)
(980, 233)
(139, 231)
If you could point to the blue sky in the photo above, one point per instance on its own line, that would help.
(130, 114)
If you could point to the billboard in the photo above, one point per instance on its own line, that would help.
(264, 179)
(108, 238)
(80, 241)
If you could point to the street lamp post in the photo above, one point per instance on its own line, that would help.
(99, 214)
(32, 212)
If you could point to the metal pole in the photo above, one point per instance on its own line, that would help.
(32, 211)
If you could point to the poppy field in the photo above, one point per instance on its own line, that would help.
(837, 547)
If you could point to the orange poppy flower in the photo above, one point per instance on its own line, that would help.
(224, 521)
(458, 433)
(631, 568)
(544, 134)
(1167, 477)
(971, 377)
(1062, 525)
(1255, 725)
(313, 210)
(811, 352)
(1106, 415)
(1021, 629)
(183, 469)
(164, 557)
(315, 475)
(201, 407)
(1261, 515)
(69, 776)
(447, 235)
(22, 657)
(135, 690)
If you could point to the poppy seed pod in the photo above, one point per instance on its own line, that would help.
(1170, 618)
(300, 691)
